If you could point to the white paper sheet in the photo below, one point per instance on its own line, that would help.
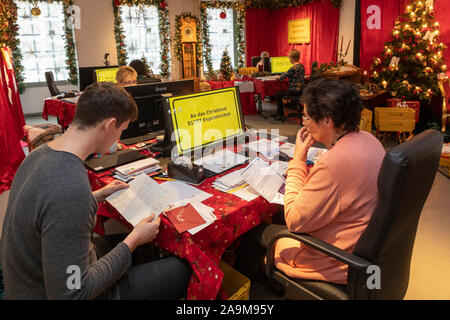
(143, 197)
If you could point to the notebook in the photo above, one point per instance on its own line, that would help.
(112, 160)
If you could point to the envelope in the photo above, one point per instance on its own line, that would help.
(184, 218)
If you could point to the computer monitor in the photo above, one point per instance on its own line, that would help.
(149, 103)
(86, 75)
(200, 120)
(105, 75)
(280, 64)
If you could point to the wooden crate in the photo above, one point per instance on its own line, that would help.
(395, 119)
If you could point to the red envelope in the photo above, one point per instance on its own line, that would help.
(185, 218)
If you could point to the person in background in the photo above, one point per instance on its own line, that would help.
(46, 250)
(332, 201)
(261, 65)
(126, 76)
(139, 66)
(296, 76)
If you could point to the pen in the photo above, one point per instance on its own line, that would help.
(236, 189)
(165, 179)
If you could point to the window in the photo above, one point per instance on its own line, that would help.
(141, 31)
(221, 35)
(42, 41)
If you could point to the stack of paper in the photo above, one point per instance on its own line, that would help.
(229, 182)
(269, 149)
(131, 170)
(315, 153)
(288, 149)
(190, 216)
(221, 161)
(265, 180)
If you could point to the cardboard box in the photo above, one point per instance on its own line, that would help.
(366, 120)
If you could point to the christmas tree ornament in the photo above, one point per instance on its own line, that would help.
(35, 11)
(223, 15)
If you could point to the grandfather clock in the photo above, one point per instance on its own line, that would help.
(189, 43)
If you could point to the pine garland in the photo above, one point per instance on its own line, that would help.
(239, 37)
(71, 59)
(281, 4)
(178, 49)
(163, 15)
(9, 36)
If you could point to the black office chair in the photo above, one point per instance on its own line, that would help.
(404, 182)
(49, 78)
(294, 104)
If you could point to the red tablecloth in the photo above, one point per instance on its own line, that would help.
(247, 98)
(269, 87)
(204, 249)
(63, 110)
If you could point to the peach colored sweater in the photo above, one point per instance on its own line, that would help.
(332, 201)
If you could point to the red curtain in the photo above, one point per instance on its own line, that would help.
(11, 122)
(373, 40)
(267, 30)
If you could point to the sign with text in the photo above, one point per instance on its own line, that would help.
(299, 31)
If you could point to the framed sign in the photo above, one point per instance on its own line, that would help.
(299, 31)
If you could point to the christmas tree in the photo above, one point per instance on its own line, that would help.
(147, 70)
(226, 70)
(410, 63)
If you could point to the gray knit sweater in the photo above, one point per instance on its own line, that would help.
(47, 231)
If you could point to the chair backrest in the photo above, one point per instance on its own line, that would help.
(255, 60)
(54, 91)
(404, 182)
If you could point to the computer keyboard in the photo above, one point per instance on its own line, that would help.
(147, 136)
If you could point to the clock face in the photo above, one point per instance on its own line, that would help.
(188, 32)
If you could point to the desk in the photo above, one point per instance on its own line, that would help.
(347, 72)
(204, 249)
(265, 88)
(247, 100)
(63, 110)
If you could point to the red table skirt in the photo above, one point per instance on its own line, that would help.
(247, 98)
(63, 110)
(204, 249)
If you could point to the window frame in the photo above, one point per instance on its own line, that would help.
(37, 84)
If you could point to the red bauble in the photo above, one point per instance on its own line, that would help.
(163, 5)
(223, 15)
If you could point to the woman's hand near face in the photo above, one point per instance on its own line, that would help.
(302, 144)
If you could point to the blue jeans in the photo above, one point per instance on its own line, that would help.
(150, 277)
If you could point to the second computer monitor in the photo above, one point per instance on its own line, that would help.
(280, 64)
(149, 103)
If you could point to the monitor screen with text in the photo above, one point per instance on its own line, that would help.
(106, 75)
(199, 120)
(280, 64)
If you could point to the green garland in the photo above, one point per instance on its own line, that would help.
(163, 16)
(239, 36)
(9, 36)
(71, 58)
(281, 4)
(178, 50)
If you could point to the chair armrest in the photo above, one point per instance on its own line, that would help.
(322, 246)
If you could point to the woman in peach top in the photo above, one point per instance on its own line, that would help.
(332, 201)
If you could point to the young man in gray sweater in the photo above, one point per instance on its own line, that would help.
(46, 247)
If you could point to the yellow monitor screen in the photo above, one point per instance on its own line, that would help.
(199, 120)
(280, 64)
(106, 75)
